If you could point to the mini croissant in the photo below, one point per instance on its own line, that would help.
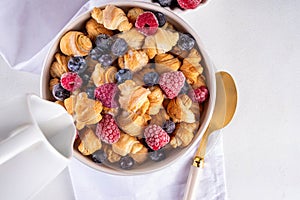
(85, 111)
(161, 42)
(101, 75)
(134, 60)
(75, 43)
(112, 17)
(132, 123)
(126, 144)
(130, 145)
(93, 29)
(59, 66)
(132, 97)
(89, 142)
(156, 97)
(191, 67)
(166, 62)
(179, 109)
(183, 134)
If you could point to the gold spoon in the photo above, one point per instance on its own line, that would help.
(226, 101)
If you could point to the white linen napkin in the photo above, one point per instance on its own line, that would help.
(28, 27)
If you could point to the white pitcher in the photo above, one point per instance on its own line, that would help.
(36, 139)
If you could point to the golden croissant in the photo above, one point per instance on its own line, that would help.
(132, 97)
(112, 17)
(59, 66)
(183, 134)
(75, 43)
(179, 109)
(85, 111)
(93, 29)
(161, 42)
(89, 142)
(156, 98)
(131, 123)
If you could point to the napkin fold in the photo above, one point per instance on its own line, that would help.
(28, 29)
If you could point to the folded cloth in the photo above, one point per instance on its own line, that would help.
(28, 29)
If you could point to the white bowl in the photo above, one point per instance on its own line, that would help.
(209, 72)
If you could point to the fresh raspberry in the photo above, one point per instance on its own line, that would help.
(200, 94)
(106, 94)
(171, 83)
(147, 23)
(156, 137)
(189, 4)
(107, 129)
(71, 81)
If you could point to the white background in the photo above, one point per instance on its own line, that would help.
(258, 42)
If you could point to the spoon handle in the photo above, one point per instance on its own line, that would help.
(196, 170)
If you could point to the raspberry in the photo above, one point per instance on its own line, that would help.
(156, 137)
(200, 94)
(106, 94)
(189, 4)
(147, 23)
(107, 129)
(171, 83)
(71, 81)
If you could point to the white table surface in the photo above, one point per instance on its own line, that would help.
(258, 42)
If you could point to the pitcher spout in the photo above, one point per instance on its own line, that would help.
(55, 123)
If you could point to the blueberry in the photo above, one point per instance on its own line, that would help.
(158, 155)
(126, 162)
(161, 18)
(99, 156)
(105, 60)
(185, 89)
(165, 3)
(91, 92)
(96, 53)
(122, 75)
(168, 126)
(60, 93)
(104, 42)
(119, 47)
(85, 79)
(185, 42)
(77, 64)
(151, 78)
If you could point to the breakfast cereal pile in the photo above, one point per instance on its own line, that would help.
(133, 84)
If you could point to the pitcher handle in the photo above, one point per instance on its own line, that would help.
(19, 140)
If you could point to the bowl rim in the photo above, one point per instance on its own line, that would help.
(210, 80)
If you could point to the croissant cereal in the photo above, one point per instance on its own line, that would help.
(112, 17)
(156, 98)
(59, 66)
(131, 123)
(111, 155)
(183, 134)
(75, 43)
(133, 13)
(166, 62)
(127, 144)
(94, 29)
(85, 111)
(89, 142)
(191, 67)
(53, 82)
(161, 42)
(134, 38)
(160, 117)
(134, 60)
(179, 109)
(132, 97)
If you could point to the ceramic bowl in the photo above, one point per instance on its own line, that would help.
(209, 72)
